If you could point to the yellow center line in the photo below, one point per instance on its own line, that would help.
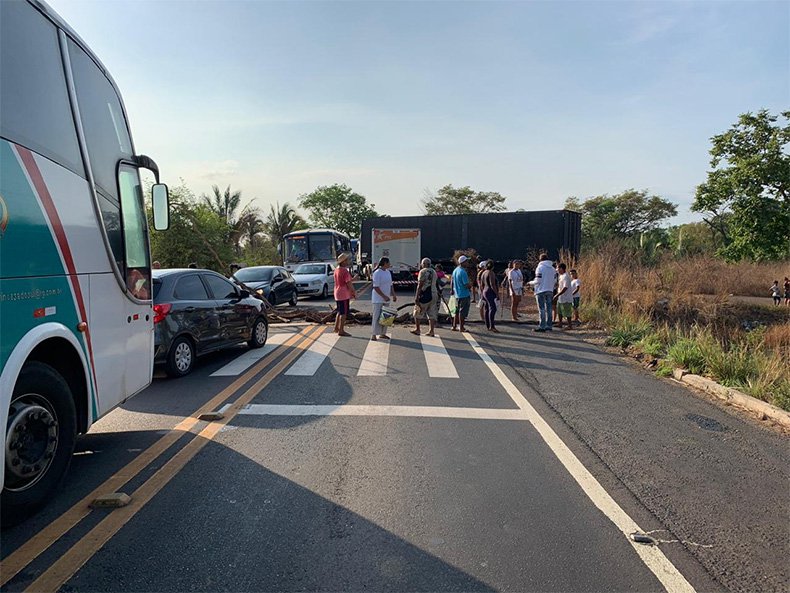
(82, 551)
(35, 546)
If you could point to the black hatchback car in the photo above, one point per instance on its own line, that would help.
(199, 311)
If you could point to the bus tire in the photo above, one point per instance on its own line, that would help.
(180, 358)
(260, 332)
(43, 415)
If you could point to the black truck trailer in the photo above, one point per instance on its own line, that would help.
(501, 236)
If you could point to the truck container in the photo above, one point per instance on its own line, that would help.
(501, 236)
(402, 246)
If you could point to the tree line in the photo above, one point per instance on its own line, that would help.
(744, 203)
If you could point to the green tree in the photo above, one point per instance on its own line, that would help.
(461, 200)
(693, 238)
(337, 207)
(281, 221)
(624, 216)
(224, 204)
(244, 225)
(246, 228)
(196, 234)
(746, 198)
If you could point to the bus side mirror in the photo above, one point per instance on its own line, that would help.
(161, 206)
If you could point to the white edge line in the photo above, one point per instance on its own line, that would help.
(666, 572)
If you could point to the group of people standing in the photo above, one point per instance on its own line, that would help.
(556, 291)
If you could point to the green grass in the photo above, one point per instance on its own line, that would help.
(653, 344)
(687, 353)
(742, 360)
(628, 331)
(734, 367)
(664, 370)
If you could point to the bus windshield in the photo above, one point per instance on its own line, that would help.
(309, 247)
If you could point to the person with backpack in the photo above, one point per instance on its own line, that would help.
(426, 299)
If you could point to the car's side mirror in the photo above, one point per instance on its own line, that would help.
(160, 201)
(244, 294)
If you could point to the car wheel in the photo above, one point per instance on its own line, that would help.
(181, 358)
(294, 299)
(260, 331)
(40, 437)
(325, 292)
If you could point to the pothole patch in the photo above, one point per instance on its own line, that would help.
(706, 423)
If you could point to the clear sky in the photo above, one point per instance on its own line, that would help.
(536, 100)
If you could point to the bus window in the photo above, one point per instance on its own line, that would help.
(103, 122)
(34, 103)
(321, 247)
(134, 233)
(111, 219)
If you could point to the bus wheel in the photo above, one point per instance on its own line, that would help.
(39, 441)
(260, 331)
(181, 358)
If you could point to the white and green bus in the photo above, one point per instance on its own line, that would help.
(76, 322)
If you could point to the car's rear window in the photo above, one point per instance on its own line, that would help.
(157, 287)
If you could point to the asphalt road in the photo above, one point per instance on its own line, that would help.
(472, 463)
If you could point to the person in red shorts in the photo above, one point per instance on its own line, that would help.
(344, 292)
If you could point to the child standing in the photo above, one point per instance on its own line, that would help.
(787, 291)
(776, 292)
(576, 287)
(564, 296)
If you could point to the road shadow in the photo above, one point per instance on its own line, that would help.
(226, 523)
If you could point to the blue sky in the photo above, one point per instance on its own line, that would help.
(536, 100)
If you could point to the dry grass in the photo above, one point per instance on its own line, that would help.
(692, 317)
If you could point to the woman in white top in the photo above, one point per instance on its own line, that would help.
(383, 291)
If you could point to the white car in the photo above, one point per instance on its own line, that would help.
(315, 279)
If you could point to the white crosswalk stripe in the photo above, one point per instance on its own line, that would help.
(374, 363)
(436, 358)
(309, 362)
(246, 360)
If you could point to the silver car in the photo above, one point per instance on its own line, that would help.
(315, 279)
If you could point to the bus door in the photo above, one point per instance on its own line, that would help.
(119, 197)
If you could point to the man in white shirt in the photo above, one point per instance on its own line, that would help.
(543, 285)
(516, 287)
(383, 291)
(564, 296)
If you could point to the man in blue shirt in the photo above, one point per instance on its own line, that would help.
(461, 291)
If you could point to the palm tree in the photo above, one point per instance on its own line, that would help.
(224, 204)
(249, 225)
(281, 221)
